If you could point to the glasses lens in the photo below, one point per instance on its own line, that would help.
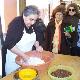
(72, 10)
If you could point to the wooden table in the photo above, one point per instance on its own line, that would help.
(72, 61)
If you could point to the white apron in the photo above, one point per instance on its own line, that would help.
(25, 44)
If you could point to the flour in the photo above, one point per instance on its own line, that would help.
(35, 61)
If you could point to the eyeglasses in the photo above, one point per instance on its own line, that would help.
(72, 10)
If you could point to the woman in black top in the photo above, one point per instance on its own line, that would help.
(21, 37)
(72, 17)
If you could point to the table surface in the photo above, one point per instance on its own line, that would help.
(73, 61)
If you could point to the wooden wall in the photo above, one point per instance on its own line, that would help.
(10, 11)
(22, 5)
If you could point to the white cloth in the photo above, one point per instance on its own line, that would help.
(56, 41)
(25, 44)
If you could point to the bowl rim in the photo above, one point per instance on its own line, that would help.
(64, 67)
(17, 59)
(17, 72)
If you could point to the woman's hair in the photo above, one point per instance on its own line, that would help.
(31, 9)
(75, 7)
(59, 8)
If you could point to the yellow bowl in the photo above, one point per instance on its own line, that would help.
(27, 74)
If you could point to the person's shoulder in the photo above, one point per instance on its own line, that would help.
(40, 22)
(39, 25)
(51, 23)
(66, 16)
(15, 22)
(18, 18)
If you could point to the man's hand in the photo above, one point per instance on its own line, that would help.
(38, 47)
